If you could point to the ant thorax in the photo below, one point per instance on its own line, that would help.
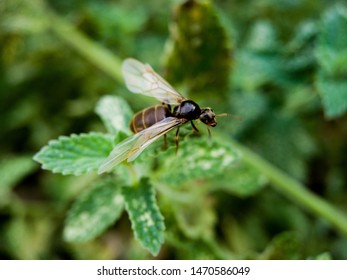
(188, 109)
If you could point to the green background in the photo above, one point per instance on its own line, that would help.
(280, 66)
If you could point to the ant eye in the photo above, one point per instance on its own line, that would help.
(205, 118)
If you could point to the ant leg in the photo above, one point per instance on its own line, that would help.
(209, 136)
(165, 142)
(176, 138)
(194, 127)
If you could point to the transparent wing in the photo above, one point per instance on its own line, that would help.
(141, 78)
(132, 147)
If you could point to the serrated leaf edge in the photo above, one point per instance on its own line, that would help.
(160, 219)
(77, 171)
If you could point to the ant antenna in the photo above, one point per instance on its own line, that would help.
(229, 115)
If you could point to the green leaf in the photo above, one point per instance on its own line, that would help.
(28, 238)
(242, 180)
(146, 219)
(334, 96)
(333, 63)
(77, 154)
(262, 37)
(251, 106)
(115, 113)
(197, 224)
(334, 28)
(284, 141)
(285, 246)
(331, 55)
(299, 54)
(253, 70)
(303, 35)
(12, 170)
(94, 211)
(261, 62)
(30, 20)
(190, 249)
(322, 256)
(195, 159)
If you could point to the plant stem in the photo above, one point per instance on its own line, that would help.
(294, 190)
(99, 56)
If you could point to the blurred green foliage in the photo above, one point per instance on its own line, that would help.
(197, 29)
(279, 65)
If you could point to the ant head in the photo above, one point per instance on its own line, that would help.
(208, 117)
